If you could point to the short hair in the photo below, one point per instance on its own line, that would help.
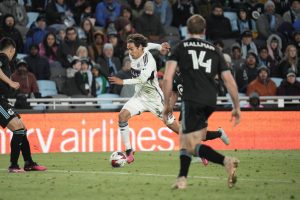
(6, 43)
(137, 39)
(196, 24)
(71, 28)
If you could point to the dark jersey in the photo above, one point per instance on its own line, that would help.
(199, 62)
(5, 90)
(177, 84)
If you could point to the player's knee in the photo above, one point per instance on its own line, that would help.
(123, 116)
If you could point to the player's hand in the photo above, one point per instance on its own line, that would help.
(166, 113)
(235, 116)
(165, 48)
(14, 85)
(115, 80)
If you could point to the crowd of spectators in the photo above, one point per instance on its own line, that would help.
(79, 43)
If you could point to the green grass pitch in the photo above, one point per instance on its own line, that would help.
(261, 175)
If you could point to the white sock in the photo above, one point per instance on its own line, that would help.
(124, 130)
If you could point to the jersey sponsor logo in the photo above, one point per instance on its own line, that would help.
(10, 112)
(135, 73)
(180, 89)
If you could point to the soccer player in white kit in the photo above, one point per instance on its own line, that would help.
(148, 95)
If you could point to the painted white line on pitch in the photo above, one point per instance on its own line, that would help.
(164, 175)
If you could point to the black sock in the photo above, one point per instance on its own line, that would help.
(185, 161)
(128, 151)
(15, 146)
(207, 152)
(25, 148)
(210, 135)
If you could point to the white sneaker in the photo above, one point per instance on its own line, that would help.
(223, 137)
(181, 183)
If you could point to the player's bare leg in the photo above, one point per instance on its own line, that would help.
(124, 116)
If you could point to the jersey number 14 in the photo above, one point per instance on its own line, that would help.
(198, 61)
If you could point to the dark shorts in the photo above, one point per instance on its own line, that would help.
(194, 116)
(7, 113)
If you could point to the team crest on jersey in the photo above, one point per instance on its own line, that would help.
(134, 72)
(10, 111)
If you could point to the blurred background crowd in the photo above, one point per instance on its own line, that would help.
(77, 44)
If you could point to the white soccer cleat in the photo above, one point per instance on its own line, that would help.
(223, 137)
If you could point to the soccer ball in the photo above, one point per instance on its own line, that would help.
(117, 159)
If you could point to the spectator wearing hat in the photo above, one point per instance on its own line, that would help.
(26, 79)
(95, 49)
(8, 30)
(290, 86)
(262, 85)
(247, 44)
(216, 20)
(290, 60)
(269, 21)
(274, 45)
(110, 65)
(36, 33)
(247, 72)
(149, 24)
(293, 13)
(38, 65)
(107, 11)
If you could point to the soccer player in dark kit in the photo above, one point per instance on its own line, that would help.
(8, 117)
(199, 62)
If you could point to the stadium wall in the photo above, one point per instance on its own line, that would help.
(97, 132)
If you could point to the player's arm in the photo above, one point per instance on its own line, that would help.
(146, 73)
(12, 84)
(232, 90)
(173, 99)
(163, 47)
(167, 86)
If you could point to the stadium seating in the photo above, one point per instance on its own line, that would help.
(107, 104)
(277, 81)
(47, 88)
(32, 16)
(232, 16)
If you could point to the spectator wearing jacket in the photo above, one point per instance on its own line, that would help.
(36, 33)
(38, 65)
(8, 30)
(290, 86)
(262, 85)
(26, 79)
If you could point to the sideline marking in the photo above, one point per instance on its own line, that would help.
(160, 175)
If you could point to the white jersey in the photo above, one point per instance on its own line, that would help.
(144, 74)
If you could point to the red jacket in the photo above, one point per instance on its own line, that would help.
(28, 83)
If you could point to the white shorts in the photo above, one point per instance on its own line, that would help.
(137, 105)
